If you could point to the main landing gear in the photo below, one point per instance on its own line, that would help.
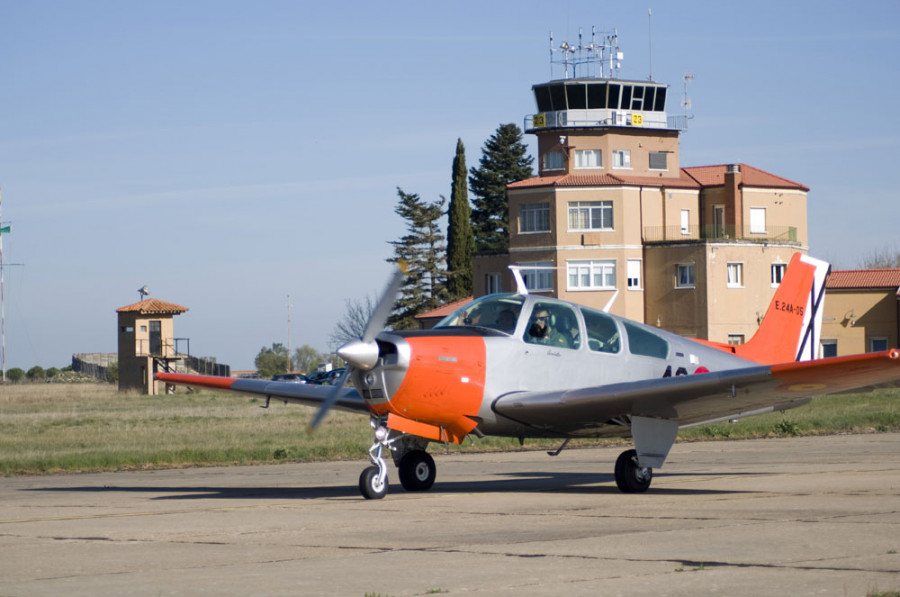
(415, 466)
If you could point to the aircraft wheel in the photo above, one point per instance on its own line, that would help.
(417, 471)
(630, 477)
(369, 485)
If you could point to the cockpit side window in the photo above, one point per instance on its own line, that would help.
(646, 343)
(554, 325)
(602, 332)
(498, 312)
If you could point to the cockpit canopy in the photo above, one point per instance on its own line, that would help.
(538, 320)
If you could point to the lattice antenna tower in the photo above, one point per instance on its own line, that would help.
(599, 58)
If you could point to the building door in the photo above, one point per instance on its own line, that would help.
(155, 337)
(718, 221)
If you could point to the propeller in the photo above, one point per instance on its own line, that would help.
(362, 353)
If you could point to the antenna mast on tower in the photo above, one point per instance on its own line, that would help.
(602, 52)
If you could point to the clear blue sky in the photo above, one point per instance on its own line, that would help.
(228, 154)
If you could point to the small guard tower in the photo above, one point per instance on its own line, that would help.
(147, 343)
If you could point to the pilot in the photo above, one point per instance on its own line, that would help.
(506, 321)
(541, 330)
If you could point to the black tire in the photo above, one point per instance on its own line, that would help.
(417, 471)
(369, 486)
(631, 478)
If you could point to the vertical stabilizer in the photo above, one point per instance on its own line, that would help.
(790, 330)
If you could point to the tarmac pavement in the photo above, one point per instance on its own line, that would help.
(798, 516)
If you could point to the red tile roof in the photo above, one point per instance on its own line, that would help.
(712, 176)
(152, 306)
(864, 278)
(446, 309)
(600, 180)
(689, 178)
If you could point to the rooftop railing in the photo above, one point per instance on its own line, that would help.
(672, 234)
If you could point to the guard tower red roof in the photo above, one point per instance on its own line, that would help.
(152, 307)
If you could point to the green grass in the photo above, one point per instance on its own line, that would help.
(47, 428)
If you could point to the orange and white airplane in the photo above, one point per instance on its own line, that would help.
(527, 366)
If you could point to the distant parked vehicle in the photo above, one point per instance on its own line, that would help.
(290, 377)
(325, 378)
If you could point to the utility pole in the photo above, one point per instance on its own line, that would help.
(3, 230)
(289, 368)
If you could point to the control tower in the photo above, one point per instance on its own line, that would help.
(613, 220)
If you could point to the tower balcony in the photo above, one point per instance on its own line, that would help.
(561, 119)
(723, 234)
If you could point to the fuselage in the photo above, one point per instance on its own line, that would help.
(445, 380)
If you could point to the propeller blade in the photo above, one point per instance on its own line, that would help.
(363, 353)
(385, 304)
(330, 400)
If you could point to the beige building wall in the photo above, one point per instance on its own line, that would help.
(854, 317)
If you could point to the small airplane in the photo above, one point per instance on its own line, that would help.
(528, 366)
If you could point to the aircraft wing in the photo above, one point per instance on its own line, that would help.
(348, 399)
(700, 398)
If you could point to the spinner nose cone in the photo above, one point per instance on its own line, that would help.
(361, 355)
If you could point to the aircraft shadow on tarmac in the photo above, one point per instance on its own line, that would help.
(517, 482)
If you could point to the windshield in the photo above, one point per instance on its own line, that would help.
(495, 311)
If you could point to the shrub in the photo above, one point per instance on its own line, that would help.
(15, 375)
(36, 373)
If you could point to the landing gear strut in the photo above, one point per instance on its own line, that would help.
(373, 482)
(631, 477)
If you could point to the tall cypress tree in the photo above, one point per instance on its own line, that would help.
(423, 249)
(504, 160)
(460, 240)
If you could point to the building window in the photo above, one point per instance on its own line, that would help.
(684, 275)
(829, 348)
(621, 158)
(588, 158)
(658, 160)
(735, 275)
(778, 270)
(534, 218)
(592, 275)
(634, 274)
(590, 215)
(878, 344)
(735, 339)
(553, 160)
(537, 276)
(757, 220)
(492, 283)
(685, 221)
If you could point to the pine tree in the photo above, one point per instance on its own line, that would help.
(504, 160)
(424, 251)
(460, 240)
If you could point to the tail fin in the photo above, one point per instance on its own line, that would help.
(790, 329)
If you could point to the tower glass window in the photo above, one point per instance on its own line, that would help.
(621, 158)
(534, 217)
(590, 215)
(553, 160)
(588, 158)
(598, 274)
(684, 275)
(735, 275)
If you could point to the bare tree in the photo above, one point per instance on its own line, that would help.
(882, 258)
(354, 321)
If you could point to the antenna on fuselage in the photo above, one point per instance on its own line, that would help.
(520, 281)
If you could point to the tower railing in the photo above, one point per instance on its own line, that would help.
(670, 234)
